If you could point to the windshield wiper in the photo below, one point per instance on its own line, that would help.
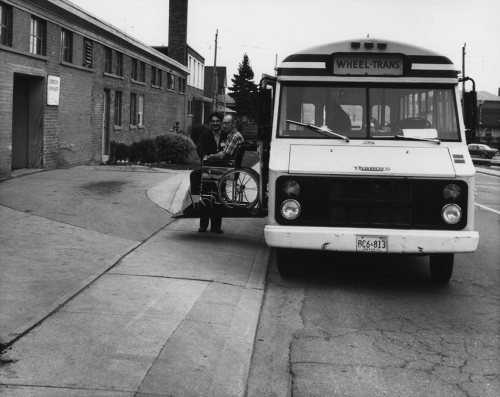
(321, 130)
(411, 138)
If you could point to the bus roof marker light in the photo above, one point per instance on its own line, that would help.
(382, 46)
(355, 44)
(369, 45)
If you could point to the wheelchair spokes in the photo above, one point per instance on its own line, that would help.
(239, 188)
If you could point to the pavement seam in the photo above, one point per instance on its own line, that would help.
(166, 342)
(84, 285)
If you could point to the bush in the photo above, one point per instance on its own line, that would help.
(118, 151)
(174, 148)
(197, 130)
(144, 151)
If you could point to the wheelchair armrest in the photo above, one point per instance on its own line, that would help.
(217, 163)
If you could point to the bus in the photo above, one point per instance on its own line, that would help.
(365, 151)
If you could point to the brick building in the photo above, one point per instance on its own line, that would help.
(70, 83)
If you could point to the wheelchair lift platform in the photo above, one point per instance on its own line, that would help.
(220, 210)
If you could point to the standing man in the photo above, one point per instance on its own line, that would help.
(209, 142)
(233, 141)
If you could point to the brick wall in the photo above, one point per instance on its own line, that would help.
(72, 131)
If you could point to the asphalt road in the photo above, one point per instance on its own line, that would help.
(378, 326)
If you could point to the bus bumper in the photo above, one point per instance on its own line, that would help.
(347, 240)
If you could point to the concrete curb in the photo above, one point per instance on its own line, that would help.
(492, 172)
(124, 168)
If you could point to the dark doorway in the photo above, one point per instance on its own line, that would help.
(27, 121)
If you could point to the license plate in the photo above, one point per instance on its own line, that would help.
(371, 243)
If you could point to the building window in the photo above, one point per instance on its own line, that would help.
(5, 25)
(136, 109)
(118, 108)
(138, 71)
(153, 75)
(182, 85)
(87, 53)
(37, 36)
(160, 78)
(190, 107)
(108, 60)
(170, 81)
(133, 106)
(142, 72)
(133, 74)
(67, 45)
(119, 64)
(140, 110)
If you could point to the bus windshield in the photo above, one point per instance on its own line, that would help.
(378, 112)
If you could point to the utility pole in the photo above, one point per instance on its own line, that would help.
(463, 69)
(214, 80)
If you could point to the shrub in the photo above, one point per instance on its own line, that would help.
(118, 151)
(144, 151)
(174, 148)
(197, 130)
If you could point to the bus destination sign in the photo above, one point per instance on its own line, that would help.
(365, 64)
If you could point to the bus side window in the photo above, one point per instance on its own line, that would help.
(382, 113)
(308, 114)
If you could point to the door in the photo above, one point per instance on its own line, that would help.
(105, 126)
(27, 121)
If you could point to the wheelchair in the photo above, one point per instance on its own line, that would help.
(227, 183)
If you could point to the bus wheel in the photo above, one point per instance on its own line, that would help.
(286, 259)
(441, 267)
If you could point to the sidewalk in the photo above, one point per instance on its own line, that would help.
(103, 294)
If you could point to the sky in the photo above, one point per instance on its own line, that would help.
(270, 30)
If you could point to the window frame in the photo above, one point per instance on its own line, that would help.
(37, 35)
(5, 25)
(140, 110)
(182, 85)
(170, 81)
(108, 60)
(133, 106)
(88, 48)
(153, 75)
(119, 64)
(66, 46)
(118, 108)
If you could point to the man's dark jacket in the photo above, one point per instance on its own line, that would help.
(207, 145)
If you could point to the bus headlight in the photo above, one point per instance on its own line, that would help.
(291, 188)
(290, 209)
(451, 192)
(451, 214)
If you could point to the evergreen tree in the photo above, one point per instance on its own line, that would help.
(244, 90)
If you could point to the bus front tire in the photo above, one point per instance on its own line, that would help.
(441, 267)
(286, 259)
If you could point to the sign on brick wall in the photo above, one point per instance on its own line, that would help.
(53, 88)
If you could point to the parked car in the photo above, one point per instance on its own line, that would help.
(483, 151)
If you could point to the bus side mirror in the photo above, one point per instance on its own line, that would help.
(470, 115)
(266, 96)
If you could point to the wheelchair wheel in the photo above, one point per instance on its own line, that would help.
(239, 188)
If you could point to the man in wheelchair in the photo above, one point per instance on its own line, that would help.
(214, 146)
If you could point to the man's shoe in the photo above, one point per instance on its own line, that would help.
(202, 230)
(218, 231)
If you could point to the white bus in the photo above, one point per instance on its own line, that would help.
(365, 151)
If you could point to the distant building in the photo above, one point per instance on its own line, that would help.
(489, 116)
(219, 93)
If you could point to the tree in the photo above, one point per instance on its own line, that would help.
(244, 90)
